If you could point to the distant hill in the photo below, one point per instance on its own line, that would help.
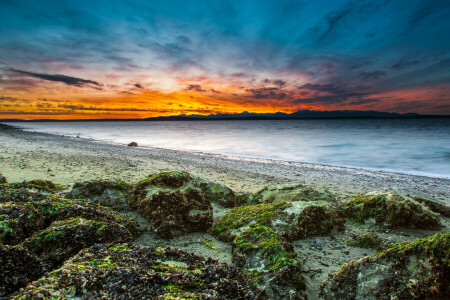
(299, 115)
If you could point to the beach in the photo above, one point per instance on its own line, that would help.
(30, 155)
(66, 160)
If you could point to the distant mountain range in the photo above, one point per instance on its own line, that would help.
(299, 115)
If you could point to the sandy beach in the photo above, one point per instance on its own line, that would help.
(30, 155)
(67, 160)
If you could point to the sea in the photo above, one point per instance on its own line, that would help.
(413, 146)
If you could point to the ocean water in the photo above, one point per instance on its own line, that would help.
(415, 146)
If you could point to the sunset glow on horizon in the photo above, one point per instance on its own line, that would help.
(139, 59)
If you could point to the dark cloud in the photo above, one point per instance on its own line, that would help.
(277, 82)
(267, 93)
(138, 85)
(372, 75)
(195, 87)
(60, 78)
(404, 64)
(333, 18)
(334, 94)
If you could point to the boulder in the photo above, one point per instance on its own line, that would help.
(104, 192)
(269, 262)
(133, 144)
(290, 194)
(124, 271)
(390, 210)
(3, 179)
(173, 203)
(292, 220)
(38, 185)
(63, 239)
(416, 270)
(261, 236)
(437, 207)
(18, 267)
(216, 192)
(23, 213)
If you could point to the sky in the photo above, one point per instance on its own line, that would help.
(137, 59)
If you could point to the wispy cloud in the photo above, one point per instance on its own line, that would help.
(60, 78)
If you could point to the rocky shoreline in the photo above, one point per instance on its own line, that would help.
(160, 238)
(110, 222)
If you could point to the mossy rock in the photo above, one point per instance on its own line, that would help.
(124, 271)
(39, 185)
(3, 179)
(216, 192)
(435, 206)
(269, 261)
(64, 239)
(391, 210)
(18, 267)
(290, 194)
(28, 213)
(416, 270)
(369, 240)
(104, 192)
(292, 220)
(173, 203)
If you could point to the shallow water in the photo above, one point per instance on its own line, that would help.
(417, 146)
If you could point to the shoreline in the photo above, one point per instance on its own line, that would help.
(243, 174)
(255, 159)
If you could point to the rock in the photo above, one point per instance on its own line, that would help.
(123, 271)
(390, 210)
(290, 194)
(270, 262)
(173, 203)
(18, 267)
(133, 144)
(435, 206)
(416, 270)
(261, 236)
(104, 192)
(292, 220)
(3, 179)
(217, 192)
(38, 185)
(368, 240)
(63, 239)
(23, 213)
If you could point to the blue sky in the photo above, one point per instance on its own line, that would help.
(382, 55)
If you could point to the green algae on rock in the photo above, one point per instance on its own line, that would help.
(216, 192)
(292, 220)
(63, 239)
(391, 210)
(435, 206)
(270, 262)
(368, 240)
(36, 185)
(415, 270)
(104, 192)
(18, 267)
(23, 213)
(290, 194)
(125, 271)
(173, 203)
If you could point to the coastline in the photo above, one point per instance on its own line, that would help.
(29, 155)
(65, 160)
